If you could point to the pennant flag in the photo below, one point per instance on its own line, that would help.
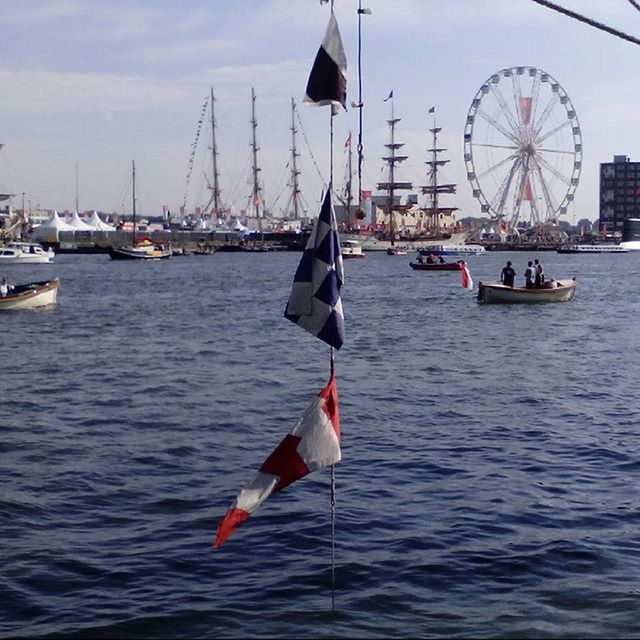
(348, 142)
(327, 82)
(467, 282)
(432, 110)
(313, 443)
(389, 96)
(315, 303)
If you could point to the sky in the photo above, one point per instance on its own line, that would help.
(89, 87)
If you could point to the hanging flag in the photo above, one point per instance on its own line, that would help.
(467, 282)
(525, 110)
(389, 96)
(327, 82)
(432, 110)
(313, 443)
(315, 303)
(347, 144)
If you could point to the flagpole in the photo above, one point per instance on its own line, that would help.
(332, 360)
(333, 514)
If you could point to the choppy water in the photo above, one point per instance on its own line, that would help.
(491, 455)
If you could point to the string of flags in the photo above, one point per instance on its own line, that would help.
(315, 305)
(194, 146)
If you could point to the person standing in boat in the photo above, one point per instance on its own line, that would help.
(529, 275)
(5, 287)
(539, 269)
(508, 275)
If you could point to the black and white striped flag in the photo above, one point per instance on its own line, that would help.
(327, 82)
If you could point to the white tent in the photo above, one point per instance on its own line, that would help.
(51, 228)
(78, 224)
(98, 225)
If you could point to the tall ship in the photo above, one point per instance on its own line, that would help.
(435, 213)
(391, 186)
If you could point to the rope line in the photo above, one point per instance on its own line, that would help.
(589, 21)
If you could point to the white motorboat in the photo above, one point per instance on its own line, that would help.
(351, 249)
(25, 253)
(592, 248)
(452, 250)
(630, 245)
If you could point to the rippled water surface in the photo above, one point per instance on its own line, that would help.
(491, 454)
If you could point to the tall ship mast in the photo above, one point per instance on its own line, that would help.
(392, 186)
(435, 188)
(295, 172)
(348, 191)
(215, 189)
(256, 194)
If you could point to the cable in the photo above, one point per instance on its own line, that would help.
(589, 21)
(635, 4)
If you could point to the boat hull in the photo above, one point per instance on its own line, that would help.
(25, 253)
(497, 293)
(446, 266)
(593, 248)
(132, 253)
(31, 296)
(452, 250)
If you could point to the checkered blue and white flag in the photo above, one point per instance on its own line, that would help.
(314, 303)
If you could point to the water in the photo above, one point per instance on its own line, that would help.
(489, 482)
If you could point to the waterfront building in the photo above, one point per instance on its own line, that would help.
(619, 193)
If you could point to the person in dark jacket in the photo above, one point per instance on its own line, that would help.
(508, 275)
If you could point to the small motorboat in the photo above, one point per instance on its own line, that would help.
(552, 291)
(25, 253)
(422, 265)
(396, 251)
(351, 249)
(30, 295)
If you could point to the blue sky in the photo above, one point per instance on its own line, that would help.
(97, 84)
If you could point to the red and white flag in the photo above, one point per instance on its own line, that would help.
(312, 444)
(467, 282)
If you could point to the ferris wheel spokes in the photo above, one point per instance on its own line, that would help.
(545, 115)
(515, 126)
(499, 165)
(553, 170)
(547, 196)
(541, 139)
(504, 131)
(500, 198)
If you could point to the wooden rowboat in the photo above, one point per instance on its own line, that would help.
(496, 293)
(31, 295)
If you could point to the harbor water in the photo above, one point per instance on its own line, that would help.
(489, 485)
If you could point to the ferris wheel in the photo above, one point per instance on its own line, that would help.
(522, 147)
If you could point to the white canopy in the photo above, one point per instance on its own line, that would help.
(78, 224)
(51, 228)
(98, 225)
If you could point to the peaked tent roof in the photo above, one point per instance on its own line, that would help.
(57, 223)
(78, 224)
(96, 223)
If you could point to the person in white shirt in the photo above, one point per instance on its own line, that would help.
(529, 275)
